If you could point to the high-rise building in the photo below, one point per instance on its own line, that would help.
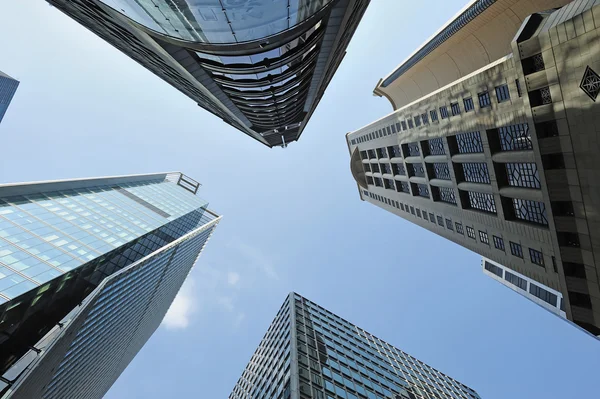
(8, 87)
(493, 143)
(261, 66)
(88, 269)
(309, 352)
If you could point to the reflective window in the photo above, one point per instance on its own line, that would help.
(433, 114)
(536, 257)
(441, 171)
(516, 249)
(481, 201)
(544, 295)
(470, 232)
(493, 268)
(444, 112)
(502, 93)
(468, 103)
(515, 137)
(484, 99)
(515, 280)
(530, 211)
(523, 174)
(455, 109)
(498, 243)
(483, 237)
(469, 142)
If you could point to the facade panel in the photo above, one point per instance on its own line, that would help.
(519, 159)
(8, 87)
(309, 352)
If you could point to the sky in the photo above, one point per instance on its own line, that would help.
(292, 218)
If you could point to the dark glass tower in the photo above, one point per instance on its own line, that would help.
(310, 353)
(8, 87)
(261, 66)
(88, 269)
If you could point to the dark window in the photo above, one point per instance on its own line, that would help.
(378, 182)
(449, 224)
(444, 112)
(423, 190)
(533, 64)
(398, 127)
(394, 151)
(367, 167)
(580, 300)
(389, 184)
(369, 180)
(518, 84)
(388, 130)
(553, 161)
(432, 217)
(523, 174)
(412, 210)
(468, 103)
(363, 155)
(515, 280)
(444, 194)
(469, 143)
(516, 249)
(471, 232)
(543, 294)
(425, 118)
(398, 169)
(415, 169)
(475, 172)
(401, 206)
(403, 125)
(483, 237)
(480, 201)
(440, 221)
(441, 171)
(540, 96)
(433, 114)
(418, 120)
(515, 137)
(536, 257)
(402, 187)
(381, 153)
(372, 154)
(459, 228)
(413, 149)
(393, 128)
(375, 167)
(502, 93)
(436, 146)
(546, 129)
(484, 99)
(493, 269)
(455, 108)
(566, 239)
(498, 243)
(410, 123)
(418, 212)
(527, 210)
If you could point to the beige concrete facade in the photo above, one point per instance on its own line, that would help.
(558, 138)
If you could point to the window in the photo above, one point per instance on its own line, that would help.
(498, 243)
(440, 221)
(398, 127)
(468, 103)
(449, 224)
(518, 84)
(483, 237)
(394, 151)
(475, 172)
(389, 184)
(484, 99)
(459, 228)
(381, 153)
(425, 118)
(433, 114)
(367, 167)
(375, 167)
(515, 137)
(402, 187)
(398, 169)
(470, 232)
(523, 174)
(444, 112)
(363, 155)
(493, 269)
(415, 169)
(418, 212)
(412, 210)
(393, 128)
(502, 93)
(413, 149)
(441, 171)
(515, 280)
(529, 211)
(417, 120)
(432, 217)
(536, 257)
(436, 146)
(455, 108)
(403, 125)
(544, 295)
(480, 201)
(422, 190)
(469, 143)
(580, 300)
(401, 206)
(516, 249)
(444, 194)
(533, 64)
(378, 182)
(410, 123)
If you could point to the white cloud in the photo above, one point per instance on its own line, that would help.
(233, 278)
(258, 259)
(184, 305)
(226, 303)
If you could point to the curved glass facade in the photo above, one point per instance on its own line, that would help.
(218, 21)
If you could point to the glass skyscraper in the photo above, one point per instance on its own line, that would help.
(310, 353)
(261, 66)
(88, 269)
(8, 87)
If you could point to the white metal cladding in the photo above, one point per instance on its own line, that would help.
(113, 324)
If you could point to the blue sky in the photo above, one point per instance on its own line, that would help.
(293, 220)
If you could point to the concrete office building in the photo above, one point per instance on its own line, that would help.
(8, 87)
(310, 353)
(493, 143)
(88, 269)
(261, 66)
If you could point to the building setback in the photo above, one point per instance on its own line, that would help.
(502, 158)
(88, 269)
(8, 87)
(262, 67)
(310, 353)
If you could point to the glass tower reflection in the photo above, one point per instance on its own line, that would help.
(309, 352)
